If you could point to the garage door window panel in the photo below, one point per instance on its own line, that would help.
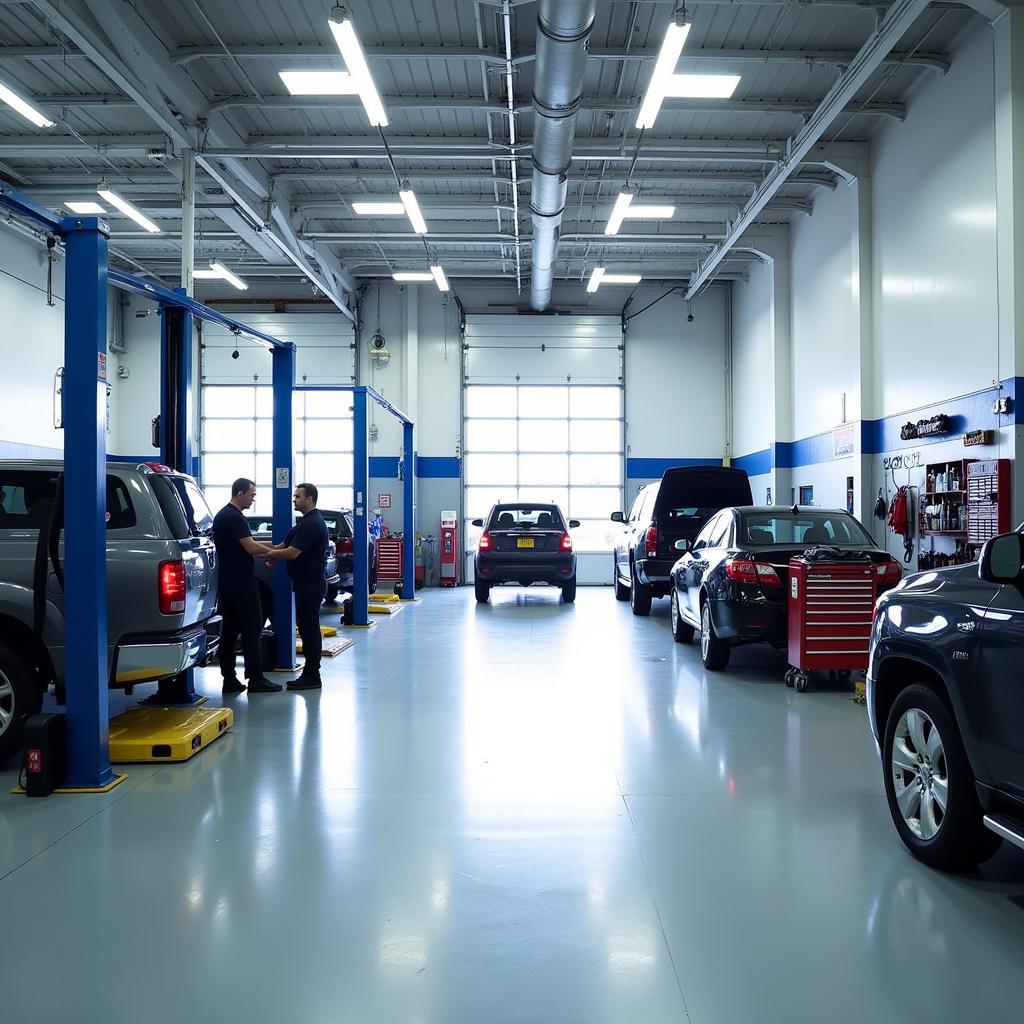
(491, 402)
(492, 436)
(595, 403)
(545, 496)
(546, 402)
(491, 470)
(543, 435)
(598, 470)
(549, 470)
(595, 436)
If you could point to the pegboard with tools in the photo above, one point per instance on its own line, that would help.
(988, 500)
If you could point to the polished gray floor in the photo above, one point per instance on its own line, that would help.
(523, 812)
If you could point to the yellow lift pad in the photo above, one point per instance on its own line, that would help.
(384, 609)
(166, 734)
(384, 598)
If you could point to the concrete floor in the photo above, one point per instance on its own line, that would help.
(523, 812)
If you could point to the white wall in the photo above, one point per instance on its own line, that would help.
(33, 347)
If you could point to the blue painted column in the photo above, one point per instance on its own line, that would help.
(409, 514)
(361, 489)
(85, 501)
(284, 512)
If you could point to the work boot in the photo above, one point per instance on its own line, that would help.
(232, 685)
(264, 685)
(304, 682)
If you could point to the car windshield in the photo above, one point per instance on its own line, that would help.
(526, 517)
(760, 529)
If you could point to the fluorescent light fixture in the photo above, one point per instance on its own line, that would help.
(439, 278)
(86, 209)
(618, 213)
(355, 60)
(128, 210)
(378, 209)
(625, 210)
(318, 83)
(206, 275)
(412, 209)
(664, 70)
(232, 279)
(413, 275)
(27, 111)
(703, 87)
(599, 277)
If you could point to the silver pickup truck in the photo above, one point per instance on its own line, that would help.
(161, 582)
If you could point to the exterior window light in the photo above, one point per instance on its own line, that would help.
(127, 209)
(625, 210)
(355, 60)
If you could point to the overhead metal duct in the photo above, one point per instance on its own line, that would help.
(563, 29)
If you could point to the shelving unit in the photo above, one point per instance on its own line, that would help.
(951, 520)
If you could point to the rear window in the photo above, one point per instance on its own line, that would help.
(526, 517)
(807, 528)
(703, 488)
(183, 506)
(338, 524)
(26, 497)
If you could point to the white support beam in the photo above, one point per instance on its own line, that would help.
(897, 21)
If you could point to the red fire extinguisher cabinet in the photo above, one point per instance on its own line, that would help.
(831, 608)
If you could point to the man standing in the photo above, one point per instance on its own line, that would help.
(239, 596)
(305, 549)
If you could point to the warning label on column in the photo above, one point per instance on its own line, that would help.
(101, 365)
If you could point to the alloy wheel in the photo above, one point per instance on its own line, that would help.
(705, 631)
(6, 703)
(920, 781)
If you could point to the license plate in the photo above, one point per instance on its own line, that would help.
(524, 542)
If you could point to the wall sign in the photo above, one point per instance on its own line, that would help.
(977, 437)
(383, 501)
(844, 440)
(281, 476)
(936, 425)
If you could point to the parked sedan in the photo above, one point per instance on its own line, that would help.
(525, 544)
(731, 584)
(340, 530)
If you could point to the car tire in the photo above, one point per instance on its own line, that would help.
(372, 570)
(20, 696)
(714, 651)
(621, 590)
(569, 592)
(332, 595)
(682, 633)
(483, 591)
(951, 837)
(639, 597)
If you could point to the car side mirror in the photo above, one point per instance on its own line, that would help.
(618, 517)
(478, 522)
(1002, 559)
(573, 523)
(684, 545)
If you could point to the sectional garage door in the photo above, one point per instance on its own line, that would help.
(544, 422)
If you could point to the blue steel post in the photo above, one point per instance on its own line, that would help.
(409, 514)
(361, 487)
(85, 499)
(284, 609)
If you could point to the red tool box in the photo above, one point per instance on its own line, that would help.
(831, 609)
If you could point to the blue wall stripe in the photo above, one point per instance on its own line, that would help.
(755, 464)
(438, 467)
(384, 466)
(637, 469)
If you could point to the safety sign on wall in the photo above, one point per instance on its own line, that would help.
(384, 501)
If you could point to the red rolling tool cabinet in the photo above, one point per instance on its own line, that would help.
(831, 609)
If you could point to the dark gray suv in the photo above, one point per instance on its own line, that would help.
(161, 583)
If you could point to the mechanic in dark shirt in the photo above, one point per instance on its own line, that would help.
(239, 596)
(305, 549)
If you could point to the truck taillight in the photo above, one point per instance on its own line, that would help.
(171, 587)
(752, 572)
(566, 542)
(651, 541)
(891, 572)
(485, 542)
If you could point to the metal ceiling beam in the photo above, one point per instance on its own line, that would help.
(611, 104)
(124, 47)
(69, 145)
(832, 58)
(889, 31)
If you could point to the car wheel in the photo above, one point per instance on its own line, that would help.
(332, 595)
(483, 591)
(569, 592)
(20, 696)
(621, 590)
(714, 652)
(639, 597)
(681, 632)
(930, 786)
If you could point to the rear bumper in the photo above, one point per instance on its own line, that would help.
(655, 572)
(525, 569)
(144, 659)
(745, 620)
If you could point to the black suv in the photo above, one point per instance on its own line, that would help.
(675, 508)
(946, 704)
